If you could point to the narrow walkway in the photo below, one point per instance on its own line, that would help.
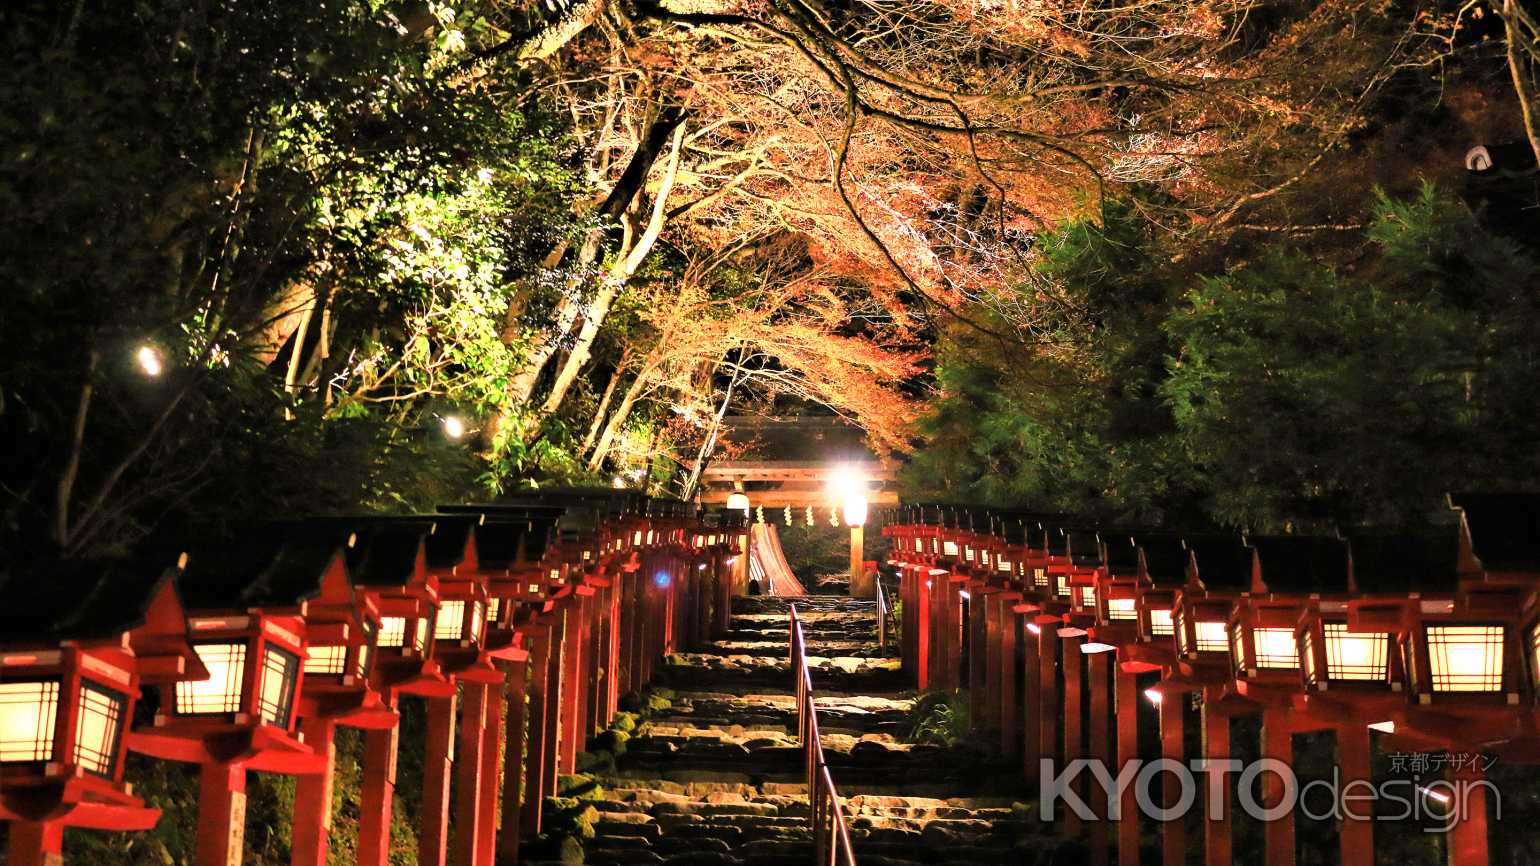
(715, 777)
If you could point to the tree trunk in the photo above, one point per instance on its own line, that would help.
(710, 442)
(1523, 34)
(617, 421)
(624, 269)
(66, 488)
(631, 183)
(301, 334)
(604, 401)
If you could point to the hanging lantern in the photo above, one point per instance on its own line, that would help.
(738, 501)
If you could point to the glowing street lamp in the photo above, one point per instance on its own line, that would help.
(855, 510)
(150, 361)
(855, 518)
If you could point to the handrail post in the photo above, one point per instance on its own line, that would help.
(826, 819)
(882, 617)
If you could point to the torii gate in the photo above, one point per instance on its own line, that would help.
(802, 462)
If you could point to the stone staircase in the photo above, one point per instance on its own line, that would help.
(713, 773)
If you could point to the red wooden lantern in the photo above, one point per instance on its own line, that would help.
(1117, 590)
(79, 641)
(1269, 625)
(1222, 568)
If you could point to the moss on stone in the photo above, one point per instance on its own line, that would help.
(613, 742)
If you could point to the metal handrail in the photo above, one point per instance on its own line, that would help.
(882, 616)
(826, 812)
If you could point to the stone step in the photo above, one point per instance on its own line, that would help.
(717, 777)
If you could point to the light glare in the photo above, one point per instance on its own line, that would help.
(149, 361)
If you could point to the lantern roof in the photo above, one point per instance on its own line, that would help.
(77, 600)
(264, 566)
(387, 553)
(1222, 562)
(1402, 561)
(1058, 541)
(1504, 528)
(504, 543)
(1301, 564)
(1165, 557)
(1121, 553)
(1085, 547)
(449, 543)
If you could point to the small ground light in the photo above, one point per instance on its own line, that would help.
(1154, 696)
(660, 580)
(454, 428)
(617, 482)
(149, 361)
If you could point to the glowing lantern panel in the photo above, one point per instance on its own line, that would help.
(275, 697)
(450, 623)
(98, 729)
(393, 631)
(1466, 658)
(1211, 637)
(1310, 672)
(366, 651)
(28, 712)
(1534, 643)
(326, 660)
(221, 692)
(1122, 609)
(478, 620)
(1275, 648)
(1350, 656)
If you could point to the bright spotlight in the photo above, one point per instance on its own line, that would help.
(454, 428)
(660, 580)
(149, 361)
(617, 482)
(1154, 696)
(1034, 628)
